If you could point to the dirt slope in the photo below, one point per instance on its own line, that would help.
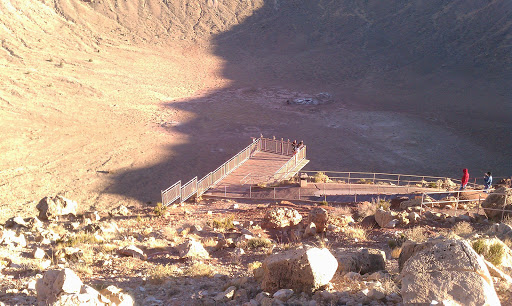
(113, 100)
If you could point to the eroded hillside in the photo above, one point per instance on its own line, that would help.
(111, 101)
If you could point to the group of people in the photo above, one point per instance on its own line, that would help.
(465, 180)
(297, 146)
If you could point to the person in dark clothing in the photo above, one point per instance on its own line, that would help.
(465, 179)
(487, 181)
(294, 146)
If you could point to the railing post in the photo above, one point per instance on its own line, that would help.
(274, 193)
(479, 198)
(250, 191)
(504, 205)
(299, 193)
(374, 178)
(225, 191)
(398, 181)
(421, 205)
(325, 196)
(349, 177)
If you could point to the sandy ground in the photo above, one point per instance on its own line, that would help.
(107, 114)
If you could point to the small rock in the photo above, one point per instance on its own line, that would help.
(283, 294)
(192, 249)
(226, 295)
(38, 253)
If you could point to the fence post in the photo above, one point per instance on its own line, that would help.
(479, 197)
(421, 205)
(274, 193)
(225, 191)
(349, 177)
(325, 196)
(374, 178)
(398, 181)
(504, 204)
(299, 193)
(457, 203)
(250, 191)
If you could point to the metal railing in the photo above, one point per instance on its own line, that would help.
(291, 163)
(172, 193)
(189, 189)
(457, 201)
(199, 187)
(388, 178)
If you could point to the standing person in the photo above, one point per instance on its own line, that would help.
(487, 181)
(301, 144)
(465, 179)
(294, 146)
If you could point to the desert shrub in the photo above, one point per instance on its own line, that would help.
(199, 269)
(492, 253)
(479, 246)
(364, 181)
(323, 203)
(507, 220)
(226, 223)
(160, 273)
(356, 232)
(365, 209)
(462, 228)
(159, 209)
(382, 204)
(253, 266)
(495, 254)
(82, 268)
(321, 177)
(255, 243)
(416, 234)
(81, 238)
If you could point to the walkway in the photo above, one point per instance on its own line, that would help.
(258, 169)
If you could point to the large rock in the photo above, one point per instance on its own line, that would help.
(64, 287)
(50, 208)
(132, 251)
(281, 217)
(304, 269)
(449, 270)
(320, 217)
(192, 249)
(11, 239)
(409, 248)
(496, 200)
(360, 260)
(117, 296)
(56, 282)
(384, 218)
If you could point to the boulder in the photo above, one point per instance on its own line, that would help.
(192, 249)
(225, 296)
(11, 239)
(319, 216)
(496, 200)
(360, 260)
(55, 283)
(449, 270)
(304, 269)
(409, 248)
(132, 251)
(121, 210)
(117, 296)
(310, 230)
(417, 202)
(281, 217)
(16, 222)
(384, 218)
(283, 294)
(70, 253)
(50, 208)
(38, 253)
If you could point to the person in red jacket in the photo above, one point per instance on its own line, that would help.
(465, 179)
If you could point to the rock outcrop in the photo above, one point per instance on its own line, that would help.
(449, 270)
(319, 216)
(360, 260)
(281, 217)
(50, 208)
(496, 200)
(303, 270)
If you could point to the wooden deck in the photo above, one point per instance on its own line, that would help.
(260, 168)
